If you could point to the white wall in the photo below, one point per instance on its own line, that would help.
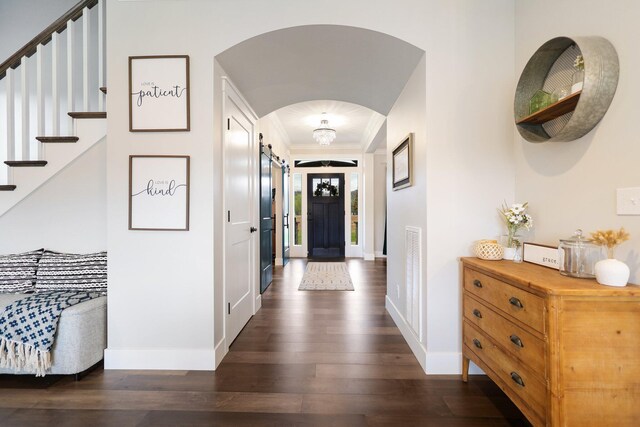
(275, 136)
(21, 21)
(469, 158)
(380, 201)
(68, 213)
(161, 293)
(468, 128)
(218, 213)
(408, 206)
(572, 185)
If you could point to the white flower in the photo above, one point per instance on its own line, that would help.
(516, 217)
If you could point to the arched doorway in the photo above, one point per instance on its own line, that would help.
(330, 64)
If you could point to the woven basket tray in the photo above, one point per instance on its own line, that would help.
(488, 249)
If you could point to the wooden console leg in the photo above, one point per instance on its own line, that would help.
(465, 369)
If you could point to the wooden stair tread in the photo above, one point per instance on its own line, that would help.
(103, 90)
(7, 187)
(25, 163)
(57, 139)
(88, 115)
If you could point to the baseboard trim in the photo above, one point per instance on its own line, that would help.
(220, 352)
(380, 255)
(449, 363)
(258, 303)
(369, 257)
(279, 261)
(160, 359)
(444, 363)
(416, 346)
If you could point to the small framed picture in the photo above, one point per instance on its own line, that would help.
(159, 193)
(402, 168)
(544, 255)
(159, 93)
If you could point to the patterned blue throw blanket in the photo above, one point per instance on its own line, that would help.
(28, 327)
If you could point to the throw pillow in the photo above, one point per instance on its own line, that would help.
(18, 272)
(78, 272)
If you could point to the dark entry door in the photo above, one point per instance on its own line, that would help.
(266, 220)
(325, 202)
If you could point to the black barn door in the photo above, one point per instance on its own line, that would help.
(325, 204)
(266, 220)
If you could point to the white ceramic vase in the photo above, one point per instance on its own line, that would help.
(612, 272)
(512, 247)
(509, 253)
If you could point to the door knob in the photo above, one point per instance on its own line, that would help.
(253, 229)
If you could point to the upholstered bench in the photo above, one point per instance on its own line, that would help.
(81, 336)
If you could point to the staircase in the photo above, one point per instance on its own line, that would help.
(52, 101)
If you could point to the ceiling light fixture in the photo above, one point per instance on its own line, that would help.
(324, 134)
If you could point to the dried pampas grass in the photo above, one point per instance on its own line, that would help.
(609, 238)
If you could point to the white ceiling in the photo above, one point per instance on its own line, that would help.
(356, 126)
(314, 62)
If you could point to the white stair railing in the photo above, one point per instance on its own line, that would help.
(61, 69)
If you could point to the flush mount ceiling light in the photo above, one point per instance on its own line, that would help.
(324, 134)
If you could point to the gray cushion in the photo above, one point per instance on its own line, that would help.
(81, 337)
(78, 272)
(18, 272)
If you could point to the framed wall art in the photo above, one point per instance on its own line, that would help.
(159, 193)
(402, 166)
(159, 93)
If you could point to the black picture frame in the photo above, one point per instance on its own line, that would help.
(402, 164)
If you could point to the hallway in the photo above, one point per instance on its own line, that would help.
(316, 358)
(339, 356)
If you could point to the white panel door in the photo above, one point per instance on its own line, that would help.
(239, 154)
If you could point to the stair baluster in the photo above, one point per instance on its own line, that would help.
(49, 82)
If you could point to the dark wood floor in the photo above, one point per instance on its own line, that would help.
(321, 358)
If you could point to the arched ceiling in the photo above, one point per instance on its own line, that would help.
(314, 62)
(356, 126)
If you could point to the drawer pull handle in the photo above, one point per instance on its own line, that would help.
(477, 313)
(477, 283)
(516, 340)
(477, 343)
(517, 379)
(516, 302)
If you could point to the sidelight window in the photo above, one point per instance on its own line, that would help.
(297, 209)
(354, 209)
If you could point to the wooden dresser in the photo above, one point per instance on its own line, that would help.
(566, 351)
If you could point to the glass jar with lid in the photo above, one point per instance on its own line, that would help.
(577, 256)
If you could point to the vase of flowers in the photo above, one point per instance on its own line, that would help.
(516, 219)
(578, 76)
(611, 272)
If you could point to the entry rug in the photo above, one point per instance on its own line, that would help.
(28, 326)
(326, 276)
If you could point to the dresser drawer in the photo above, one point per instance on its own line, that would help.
(517, 376)
(515, 340)
(522, 305)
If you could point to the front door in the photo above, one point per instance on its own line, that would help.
(325, 215)
(239, 173)
(286, 248)
(266, 220)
